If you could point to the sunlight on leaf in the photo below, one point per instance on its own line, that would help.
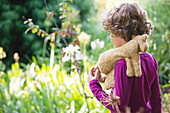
(34, 30)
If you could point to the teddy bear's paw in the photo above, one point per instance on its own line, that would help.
(109, 85)
(130, 73)
(138, 74)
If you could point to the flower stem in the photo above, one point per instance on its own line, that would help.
(44, 50)
(85, 66)
(52, 55)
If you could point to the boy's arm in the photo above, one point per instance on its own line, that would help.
(101, 95)
(155, 94)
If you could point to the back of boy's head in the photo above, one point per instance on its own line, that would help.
(126, 20)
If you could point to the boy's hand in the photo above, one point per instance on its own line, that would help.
(96, 74)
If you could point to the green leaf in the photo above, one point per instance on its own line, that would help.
(34, 30)
(39, 33)
(65, 14)
(166, 85)
(42, 34)
(2, 66)
(69, 8)
(65, 4)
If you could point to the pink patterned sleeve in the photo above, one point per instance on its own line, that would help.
(101, 95)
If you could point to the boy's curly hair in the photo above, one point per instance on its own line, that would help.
(126, 20)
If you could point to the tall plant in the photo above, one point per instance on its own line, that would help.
(67, 31)
(160, 37)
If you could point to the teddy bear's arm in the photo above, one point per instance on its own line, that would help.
(136, 64)
(130, 68)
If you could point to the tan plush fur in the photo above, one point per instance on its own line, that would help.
(129, 52)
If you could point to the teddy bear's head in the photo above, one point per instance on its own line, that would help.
(143, 45)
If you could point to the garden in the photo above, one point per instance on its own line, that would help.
(47, 48)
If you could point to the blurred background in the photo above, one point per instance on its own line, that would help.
(42, 69)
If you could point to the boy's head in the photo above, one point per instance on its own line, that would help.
(126, 20)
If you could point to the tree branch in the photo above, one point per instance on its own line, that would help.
(54, 22)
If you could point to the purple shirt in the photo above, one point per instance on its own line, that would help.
(134, 92)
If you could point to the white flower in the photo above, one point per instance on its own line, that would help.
(71, 51)
(42, 78)
(31, 25)
(32, 72)
(102, 44)
(65, 58)
(154, 18)
(78, 28)
(97, 44)
(14, 85)
(79, 56)
(93, 45)
(29, 20)
(2, 53)
(30, 85)
(20, 93)
(9, 102)
(154, 46)
(84, 37)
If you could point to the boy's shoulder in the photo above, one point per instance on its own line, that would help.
(145, 55)
(148, 56)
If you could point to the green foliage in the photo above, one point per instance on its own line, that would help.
(166, 96)
(160, 37)
(47, 84)
(12, 36)
(40, 89)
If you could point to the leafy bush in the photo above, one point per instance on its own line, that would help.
(49, 87)
(160, 37)
(41, 89)
(47, 84)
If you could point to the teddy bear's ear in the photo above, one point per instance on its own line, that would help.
(144, 37)
(133, 36)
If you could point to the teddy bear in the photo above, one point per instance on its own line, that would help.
(130, 52)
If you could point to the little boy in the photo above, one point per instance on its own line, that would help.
(140, 94)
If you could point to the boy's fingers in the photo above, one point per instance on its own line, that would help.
(92, 71)
(97, 74)
(102, 79)
(99, 71)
